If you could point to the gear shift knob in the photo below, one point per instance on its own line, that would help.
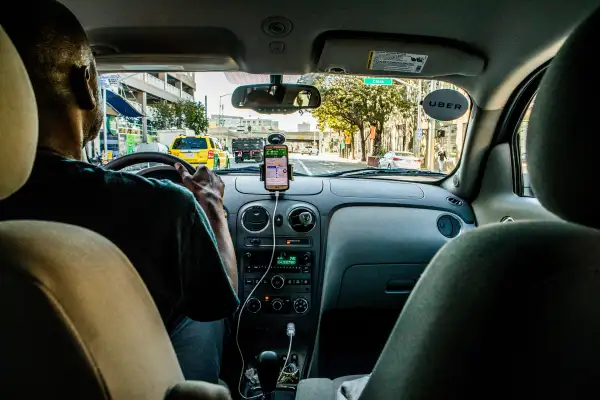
(268, 371)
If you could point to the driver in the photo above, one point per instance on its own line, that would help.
(176, 238)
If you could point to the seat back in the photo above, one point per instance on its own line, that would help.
(18, 120)
(513, 310)
(76, 320)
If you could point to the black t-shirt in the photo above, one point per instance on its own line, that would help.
(157, 224)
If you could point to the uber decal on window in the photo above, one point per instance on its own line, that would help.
(395, 61)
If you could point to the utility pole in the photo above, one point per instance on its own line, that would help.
(206, 107)
(419, 131)
(104, 119)
(221, 106)
(430, 156)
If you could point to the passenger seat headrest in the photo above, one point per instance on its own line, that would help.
(563, 138)
(18, 120)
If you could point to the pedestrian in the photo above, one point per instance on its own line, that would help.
(441, 158)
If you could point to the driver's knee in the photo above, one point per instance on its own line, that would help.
(199, 348)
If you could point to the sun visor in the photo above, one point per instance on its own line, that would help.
(397, 58)
(164, 62)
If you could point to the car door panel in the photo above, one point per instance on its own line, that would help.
(497, 200)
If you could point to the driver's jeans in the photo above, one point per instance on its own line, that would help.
(199, 347)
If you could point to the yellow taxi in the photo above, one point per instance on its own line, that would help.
(198, 150)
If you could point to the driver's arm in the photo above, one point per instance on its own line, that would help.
(207, 290)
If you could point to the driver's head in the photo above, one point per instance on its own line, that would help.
(60, 63)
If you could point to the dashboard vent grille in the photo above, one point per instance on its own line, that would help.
(302, 219)
(454, 201)
(255, 219)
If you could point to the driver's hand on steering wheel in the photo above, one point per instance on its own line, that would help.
(207, 187)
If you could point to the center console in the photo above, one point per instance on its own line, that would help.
(286, 294)
(287, 289)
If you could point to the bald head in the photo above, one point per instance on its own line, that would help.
(60, 64)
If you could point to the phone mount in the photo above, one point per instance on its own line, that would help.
(276, 138)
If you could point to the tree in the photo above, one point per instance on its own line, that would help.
(347, 102)
(179, 115)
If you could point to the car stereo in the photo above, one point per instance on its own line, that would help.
(287, 287)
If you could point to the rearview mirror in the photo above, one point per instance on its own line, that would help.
(276, 98)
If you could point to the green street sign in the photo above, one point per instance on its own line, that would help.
(378, 81)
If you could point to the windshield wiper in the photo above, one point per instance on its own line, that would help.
(376, 171)
(247, 170)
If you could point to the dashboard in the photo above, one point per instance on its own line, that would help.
(344, 246)
(341, 244)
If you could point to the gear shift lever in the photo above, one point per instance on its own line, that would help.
(268, 372)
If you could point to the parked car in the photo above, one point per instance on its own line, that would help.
(310, 150)
(400, 159)
(200, 150)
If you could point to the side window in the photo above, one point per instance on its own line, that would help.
(520, 145)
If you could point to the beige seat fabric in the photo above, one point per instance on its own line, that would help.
(18, 120)
(76, 321)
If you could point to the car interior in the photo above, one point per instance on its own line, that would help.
(483, 283)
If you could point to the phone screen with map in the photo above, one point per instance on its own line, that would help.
(276, 167)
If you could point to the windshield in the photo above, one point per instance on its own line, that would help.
(362, 123)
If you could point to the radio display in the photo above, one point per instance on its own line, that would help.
(287, 260)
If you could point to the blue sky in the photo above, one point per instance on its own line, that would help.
(215, 84)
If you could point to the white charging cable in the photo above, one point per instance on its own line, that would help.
(291, 332)
(237, 331)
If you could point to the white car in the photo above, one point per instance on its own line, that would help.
(310, 150)
(155, 147)
(400, 159)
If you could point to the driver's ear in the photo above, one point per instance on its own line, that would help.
(84, 87)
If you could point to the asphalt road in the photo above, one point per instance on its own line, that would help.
(313, 165)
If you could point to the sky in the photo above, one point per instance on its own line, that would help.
(215, 84)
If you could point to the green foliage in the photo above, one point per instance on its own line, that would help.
(348, 105)
(183, 114)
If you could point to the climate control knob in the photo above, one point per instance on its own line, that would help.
(301, 305)
(277, 281)
(277, 304)
(253, 305)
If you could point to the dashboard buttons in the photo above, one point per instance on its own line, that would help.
(277, 281)
(278, 220)
(306, 258)
(277, 304)
(301, 305)
(253, 305)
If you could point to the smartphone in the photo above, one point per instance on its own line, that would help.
(277, 177)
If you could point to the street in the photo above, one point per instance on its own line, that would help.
(314, 165)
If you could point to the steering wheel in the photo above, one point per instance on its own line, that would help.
(163, 171)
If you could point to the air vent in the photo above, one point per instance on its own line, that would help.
(336, 70)
(454, 201)
(302, 219)
(255, 219)
(448, 226)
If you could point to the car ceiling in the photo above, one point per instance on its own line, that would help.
(511, 37)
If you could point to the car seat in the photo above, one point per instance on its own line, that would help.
(76, 319)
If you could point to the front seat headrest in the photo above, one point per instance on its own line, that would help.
(563, 138)
(18, 120)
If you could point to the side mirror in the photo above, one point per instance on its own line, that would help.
(276, 98)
